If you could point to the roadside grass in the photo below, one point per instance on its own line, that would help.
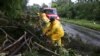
(83, 22)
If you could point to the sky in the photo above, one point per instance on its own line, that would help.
(40, 2)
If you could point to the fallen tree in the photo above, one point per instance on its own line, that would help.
(28, 35)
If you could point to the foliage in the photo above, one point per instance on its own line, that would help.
(83, 22)
(35, 7)
(12, 8)
(44, 5)
(28, 53)
(89, 9)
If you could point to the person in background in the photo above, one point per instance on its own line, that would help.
(45, 22)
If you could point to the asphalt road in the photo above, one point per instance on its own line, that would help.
(87, 36)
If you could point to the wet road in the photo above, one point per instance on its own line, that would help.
(87, 36)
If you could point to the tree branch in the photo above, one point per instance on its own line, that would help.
(14, 42)
(46, 49)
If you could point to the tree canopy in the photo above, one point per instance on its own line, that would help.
(88, 9)
(12, 8)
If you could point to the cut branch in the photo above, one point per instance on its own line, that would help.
(46, 49)
(7, 34)
(13, 53)
(14, 42)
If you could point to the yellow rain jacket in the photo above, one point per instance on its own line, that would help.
(46, 21)
(44, 18)
(55, 32)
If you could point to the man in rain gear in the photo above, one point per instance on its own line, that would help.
(55, 31)
(45, 22)
(45, 19)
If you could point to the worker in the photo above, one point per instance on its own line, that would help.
(55, 31)
(45, 18)
(45, 22)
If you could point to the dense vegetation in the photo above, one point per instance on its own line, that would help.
(20, 26)
(20, 32)
(12, 8)
(82, 9)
